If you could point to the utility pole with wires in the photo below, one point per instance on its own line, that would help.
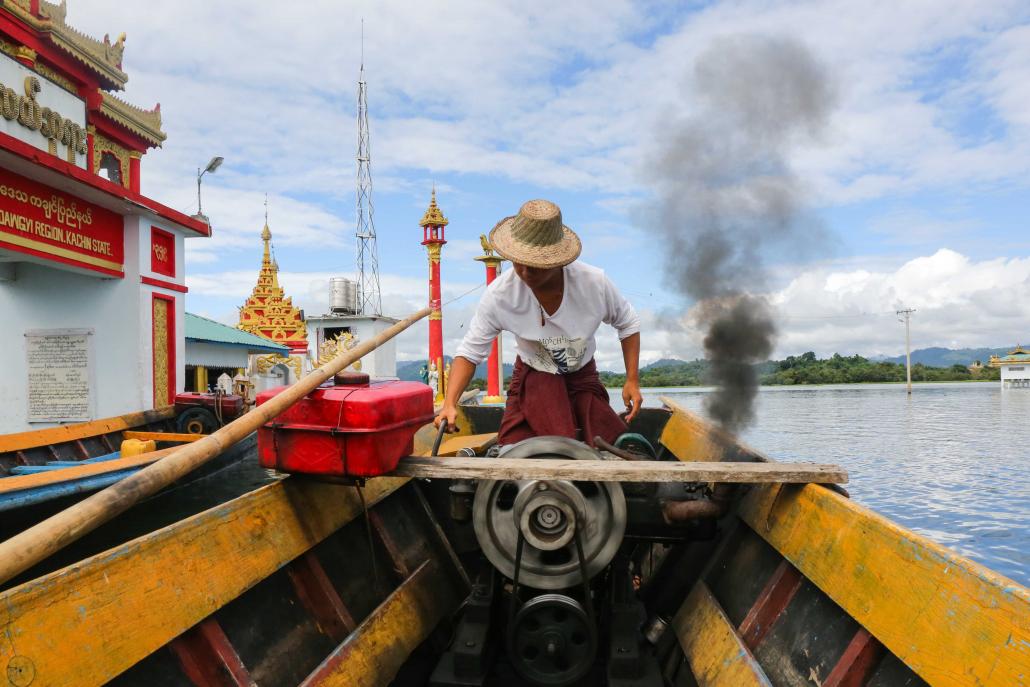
(908, 344)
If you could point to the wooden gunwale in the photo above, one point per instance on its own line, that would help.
(71, 624)
(949, 619)
(21, 441)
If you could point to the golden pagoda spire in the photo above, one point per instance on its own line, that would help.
(268, 312)
(266, 236)
(434, 216)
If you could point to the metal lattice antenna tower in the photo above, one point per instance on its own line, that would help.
(369, 298)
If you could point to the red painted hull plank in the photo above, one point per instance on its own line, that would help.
(779, 590)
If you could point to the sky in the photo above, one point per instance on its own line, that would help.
(919, 181)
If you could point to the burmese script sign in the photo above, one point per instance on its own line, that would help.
(37, 111)
(42, 221)
(59, 375)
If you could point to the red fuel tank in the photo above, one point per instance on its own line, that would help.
(347, 428)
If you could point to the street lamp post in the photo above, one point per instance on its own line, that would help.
(215, 163)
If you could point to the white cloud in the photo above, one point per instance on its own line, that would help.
(959, 303)
(565, 96)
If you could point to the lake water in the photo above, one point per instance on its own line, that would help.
(951, 462)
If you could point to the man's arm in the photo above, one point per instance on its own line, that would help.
(461, 373)
(631, 389)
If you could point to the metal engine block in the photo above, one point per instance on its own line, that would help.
(555, 562)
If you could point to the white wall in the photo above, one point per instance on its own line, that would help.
(1009, 372)
(119, 311)
(44, 298)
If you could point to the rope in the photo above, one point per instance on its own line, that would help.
(458, 298)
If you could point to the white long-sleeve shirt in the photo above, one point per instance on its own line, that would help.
(565, 340)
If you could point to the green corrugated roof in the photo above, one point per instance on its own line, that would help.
(202, 329)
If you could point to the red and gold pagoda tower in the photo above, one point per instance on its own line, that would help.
(268, 312)
(433, 223)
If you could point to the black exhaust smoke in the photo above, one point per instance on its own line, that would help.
(729, 201)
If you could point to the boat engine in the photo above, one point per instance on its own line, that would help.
(554, 599)
(550, 534)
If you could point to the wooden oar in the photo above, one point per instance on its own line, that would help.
(27, 548)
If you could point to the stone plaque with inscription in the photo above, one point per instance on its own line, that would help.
(59, 375)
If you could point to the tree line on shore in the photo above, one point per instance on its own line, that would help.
(801, 369)
(807, 369)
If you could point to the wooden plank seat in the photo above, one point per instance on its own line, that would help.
(618, 470)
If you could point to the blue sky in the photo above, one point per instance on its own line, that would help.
(920, 178)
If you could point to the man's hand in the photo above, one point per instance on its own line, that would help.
(448, 413)
(632, 398)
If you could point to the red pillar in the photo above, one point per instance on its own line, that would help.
(436, 316)
(494, 365)
(134, 163)
(433, 223)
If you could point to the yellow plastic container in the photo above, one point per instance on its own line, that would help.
(134, 447)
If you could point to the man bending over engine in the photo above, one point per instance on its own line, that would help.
(553, 304)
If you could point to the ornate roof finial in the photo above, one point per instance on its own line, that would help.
(433, 216)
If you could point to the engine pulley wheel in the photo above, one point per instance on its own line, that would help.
(547, 514)
(551, 641)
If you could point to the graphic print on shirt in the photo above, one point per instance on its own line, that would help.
(558, 354)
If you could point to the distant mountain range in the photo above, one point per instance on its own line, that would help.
(946, 357)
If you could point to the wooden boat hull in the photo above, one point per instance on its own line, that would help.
(279, 585)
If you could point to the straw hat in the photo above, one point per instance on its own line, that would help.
(536, 237)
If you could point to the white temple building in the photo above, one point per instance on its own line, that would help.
(1015, 368)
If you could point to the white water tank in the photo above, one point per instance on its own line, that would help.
(343, 296)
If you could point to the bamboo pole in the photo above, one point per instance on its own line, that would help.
(27, 548)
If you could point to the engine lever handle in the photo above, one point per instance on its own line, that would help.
(439, 437)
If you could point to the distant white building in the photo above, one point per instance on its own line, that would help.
(344, 327)
(1015, 368)
(328, 332)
